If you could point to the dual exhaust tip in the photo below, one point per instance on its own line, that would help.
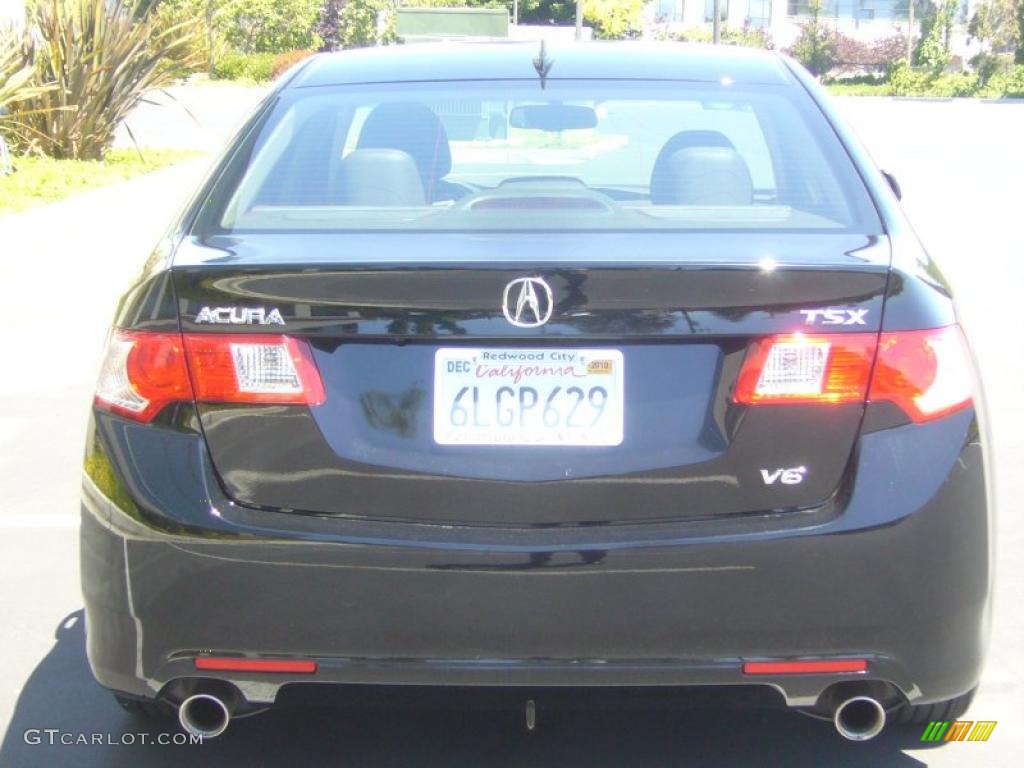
(858, 718)
(205, 715)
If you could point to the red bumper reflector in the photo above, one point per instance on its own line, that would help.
(818, 666)
(232, 664)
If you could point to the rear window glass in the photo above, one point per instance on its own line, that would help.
(509, 155)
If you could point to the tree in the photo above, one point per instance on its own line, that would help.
(530, 11)
(815, 47)
(249, 26)
(1019, 55)
(270, 26)
(359, 23)
(614, 19)
(997, 24)
(328, 24)
(209, 14)
(936, 29)
(855, 55)
(544, 11)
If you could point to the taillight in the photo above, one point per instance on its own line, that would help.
(927, 373)
(807, 368)
(229, 368)
(143, 371)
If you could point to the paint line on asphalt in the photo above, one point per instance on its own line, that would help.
(32, 522)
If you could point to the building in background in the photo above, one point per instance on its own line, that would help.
(863, 20)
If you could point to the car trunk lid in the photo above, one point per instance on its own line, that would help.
(673, 316)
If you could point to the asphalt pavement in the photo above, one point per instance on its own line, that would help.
(961, 165)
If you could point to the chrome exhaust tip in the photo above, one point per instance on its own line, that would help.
(205, 715)
(859, 718)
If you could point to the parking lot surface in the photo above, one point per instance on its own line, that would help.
(961, 165)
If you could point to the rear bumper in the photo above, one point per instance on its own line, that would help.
(900, 576)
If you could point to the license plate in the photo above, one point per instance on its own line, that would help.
(528, 396)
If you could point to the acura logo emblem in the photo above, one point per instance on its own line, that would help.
(527, 302)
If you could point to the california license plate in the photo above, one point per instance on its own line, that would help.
(528, 396)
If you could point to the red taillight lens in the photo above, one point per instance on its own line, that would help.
(239, 368)
(806, 368)
(237, 664)
(926, 373)
(805, 667)
(143, 371)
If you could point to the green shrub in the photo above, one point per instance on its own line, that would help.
(285, 61)
(748, 38)
(843, 88)
(905, 81)
(168, 13)
(235, 65)
(614, 19)
(269, 26)
(1009, 83)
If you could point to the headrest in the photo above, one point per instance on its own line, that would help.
(379, 177)
(414, 129)
(706, 176)
(661, 184)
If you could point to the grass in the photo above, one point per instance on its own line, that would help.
(42, 180)
(204, 80)
(860, 89)
(904, 82)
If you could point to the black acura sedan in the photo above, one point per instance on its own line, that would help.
(534, 369)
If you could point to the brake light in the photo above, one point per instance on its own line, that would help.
(806, 368)
(237, 368)
(928, 373)
(143, 372)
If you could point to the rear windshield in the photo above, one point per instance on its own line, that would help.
(510, 155)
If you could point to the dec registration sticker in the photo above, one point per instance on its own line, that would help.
(570, 397)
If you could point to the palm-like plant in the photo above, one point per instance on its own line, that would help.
(102, 57)
(17, 82)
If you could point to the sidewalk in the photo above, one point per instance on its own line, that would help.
(96, 241)
(62, 267)
(201, 117)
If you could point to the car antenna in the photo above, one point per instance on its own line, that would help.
(543, 64)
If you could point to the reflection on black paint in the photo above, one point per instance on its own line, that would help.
(396, 412)
(534, 560)
(421, 323)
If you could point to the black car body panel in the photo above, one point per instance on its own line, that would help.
(368, 451)
(655, 604)
(344, 533)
